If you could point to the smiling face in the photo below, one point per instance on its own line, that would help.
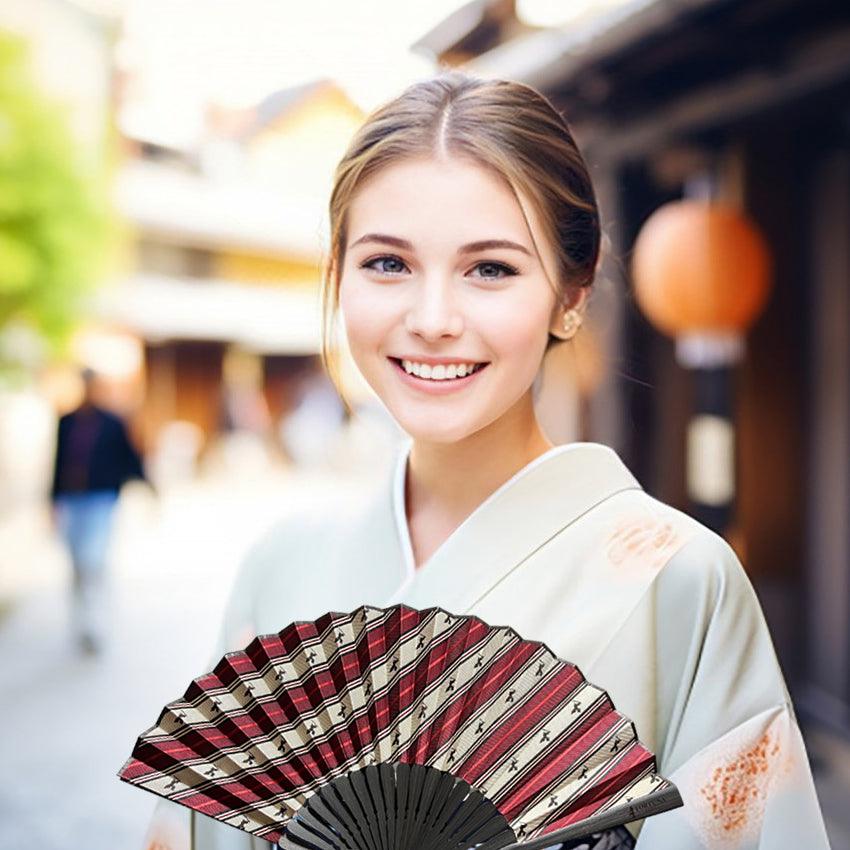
(433, 299)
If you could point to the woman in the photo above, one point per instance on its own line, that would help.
(464, 240)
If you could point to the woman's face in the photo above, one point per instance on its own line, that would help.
(415, 287)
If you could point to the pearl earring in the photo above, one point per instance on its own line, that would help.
(572, 320)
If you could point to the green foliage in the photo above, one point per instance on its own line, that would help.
(54, 217)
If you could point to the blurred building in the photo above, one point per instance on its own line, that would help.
(756, 94)
(227, 250)
(70, 50)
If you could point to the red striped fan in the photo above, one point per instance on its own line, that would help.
(386, 729)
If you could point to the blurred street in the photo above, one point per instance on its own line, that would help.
(70, 720)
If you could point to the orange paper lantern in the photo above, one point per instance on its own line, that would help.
(700, 266)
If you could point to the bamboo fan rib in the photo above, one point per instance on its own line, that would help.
(395, 728)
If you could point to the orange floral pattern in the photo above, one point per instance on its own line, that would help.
(643, 538)
(168, 829)
(731, 788)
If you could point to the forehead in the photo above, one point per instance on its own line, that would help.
(454, 199)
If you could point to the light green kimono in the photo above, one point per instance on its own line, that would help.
(652, 606)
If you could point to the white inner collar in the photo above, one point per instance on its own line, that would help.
(399, 502)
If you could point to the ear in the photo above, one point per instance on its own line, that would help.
(578, 302)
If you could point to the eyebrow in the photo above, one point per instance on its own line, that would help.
(469, 248)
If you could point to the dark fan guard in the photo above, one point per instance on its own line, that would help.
(399, 806)
(403, 729)
(412, 807)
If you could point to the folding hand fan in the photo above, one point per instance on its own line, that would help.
(402, 729)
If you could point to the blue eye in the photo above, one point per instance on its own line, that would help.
(506, 270)
(509, 271)
(369, 264)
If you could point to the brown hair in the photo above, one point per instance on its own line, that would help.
(504, 125)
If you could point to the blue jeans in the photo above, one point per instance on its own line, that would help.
(85, 523)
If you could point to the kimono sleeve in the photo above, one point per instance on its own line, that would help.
(732, 745)
(176, 827)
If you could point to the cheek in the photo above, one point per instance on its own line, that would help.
(516, 329)
(361, 314)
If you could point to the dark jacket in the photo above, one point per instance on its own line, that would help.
(93, 452)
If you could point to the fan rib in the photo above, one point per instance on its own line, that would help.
(318, 807)
(312, 836)
(357, 783)
(337, 803)
(376, 797)
(386, 782)
(453, 808)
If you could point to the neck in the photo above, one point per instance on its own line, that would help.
(449, 480)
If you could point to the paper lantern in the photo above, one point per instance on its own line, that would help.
(700, 267)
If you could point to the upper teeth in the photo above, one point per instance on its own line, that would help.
(439, 372)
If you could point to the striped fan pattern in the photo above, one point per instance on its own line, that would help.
(252, 741)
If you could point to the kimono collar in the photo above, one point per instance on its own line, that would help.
(533, 506)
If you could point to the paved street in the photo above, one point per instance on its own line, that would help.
(69, 721)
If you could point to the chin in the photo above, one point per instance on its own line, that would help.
(437, 427)
(442, 432)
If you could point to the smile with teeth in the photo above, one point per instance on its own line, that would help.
(440, 372)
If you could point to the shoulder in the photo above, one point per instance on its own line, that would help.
(284, 539)
(691, 560)
(110, 419)
(285, 572)
(297, 544)
(273, 564)
(703, 578)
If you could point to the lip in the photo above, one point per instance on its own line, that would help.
(435, 387)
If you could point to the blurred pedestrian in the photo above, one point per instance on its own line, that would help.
(94, 457)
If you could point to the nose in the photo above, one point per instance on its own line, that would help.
(433, 312)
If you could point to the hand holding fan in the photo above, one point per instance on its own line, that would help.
(396, 728)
